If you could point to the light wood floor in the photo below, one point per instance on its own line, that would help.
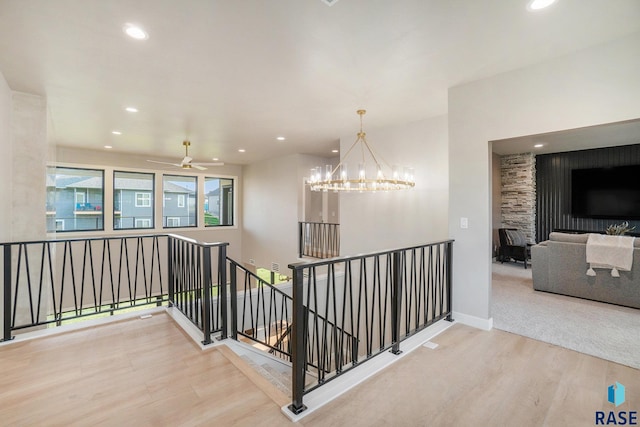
(146, 372)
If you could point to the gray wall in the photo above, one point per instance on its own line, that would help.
(377, 221)
(6, 160)
(594, 86)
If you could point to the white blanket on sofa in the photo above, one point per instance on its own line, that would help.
(612, 252)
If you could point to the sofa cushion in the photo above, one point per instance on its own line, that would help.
(515, 238)
(578, 238)
(568, 237)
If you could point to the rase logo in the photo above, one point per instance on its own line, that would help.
(616, 396)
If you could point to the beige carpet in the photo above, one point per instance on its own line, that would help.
(603, 330)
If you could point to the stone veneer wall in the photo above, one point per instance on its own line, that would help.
(518, 179)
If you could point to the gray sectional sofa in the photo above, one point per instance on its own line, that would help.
(559, 265)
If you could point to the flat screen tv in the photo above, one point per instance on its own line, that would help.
(610, 193)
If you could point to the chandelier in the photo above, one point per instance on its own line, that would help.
(371, 175)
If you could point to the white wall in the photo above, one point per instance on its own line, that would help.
(6, 161)
(376, 221)
(273, 205)
(594, 86)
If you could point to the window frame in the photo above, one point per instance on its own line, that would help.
(228, 204)
(147, 200)
(150, 176)
(184, 196)
(136, 220)
(172, 218)
(98, 212)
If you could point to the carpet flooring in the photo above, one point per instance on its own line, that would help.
(603, 330)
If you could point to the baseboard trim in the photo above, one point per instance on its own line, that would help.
(473, 321)
(331, 390)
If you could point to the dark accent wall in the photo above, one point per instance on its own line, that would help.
(553, 183)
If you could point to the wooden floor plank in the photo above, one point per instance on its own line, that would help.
(148, 373)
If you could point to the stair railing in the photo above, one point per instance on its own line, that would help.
(198, 283)
(318, 239)
(380, 299)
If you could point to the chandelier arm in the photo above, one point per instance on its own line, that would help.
(346, 155)
(373, 154)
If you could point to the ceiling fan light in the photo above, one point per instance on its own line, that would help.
(539, 4)
(135, 32)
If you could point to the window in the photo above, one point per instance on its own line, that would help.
(75, 199)
(173, 222)
(179, 195)
(143, 223)
(132, 200)
(143, 200)
(218, 202)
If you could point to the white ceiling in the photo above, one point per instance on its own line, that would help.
(607, 135)
(230, 74)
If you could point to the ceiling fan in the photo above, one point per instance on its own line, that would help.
(186, 161)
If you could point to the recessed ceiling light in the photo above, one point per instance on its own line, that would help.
(242, 150)
(335, 151)
(215, 159)
(132, 109)
(539, 4)
(281, 138)
(539, 145)
(135, 32)
(116, 132)
(108, 146)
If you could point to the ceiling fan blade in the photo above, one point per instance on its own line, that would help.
(209, 164)
(197, 166)
(165, 163)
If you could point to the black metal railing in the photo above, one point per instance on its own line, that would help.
(264, 316)
(198, 283)
(263, 311)
(318, 239)
(377, 299)
(334, 315)
(55, 281)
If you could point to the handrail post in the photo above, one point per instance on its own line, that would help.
(300, 237)
(170, 272)
(234, 300)
(298, 356)
(7, 294)
(396, 299)
(449, 280)
(206, 295)
(222, 286)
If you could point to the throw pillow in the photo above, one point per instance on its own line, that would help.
(515, 238)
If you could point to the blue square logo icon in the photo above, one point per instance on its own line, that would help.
(615, 394)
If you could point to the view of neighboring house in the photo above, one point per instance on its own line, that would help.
(75, 200)
(133, 201)
(218, 210)
(179, 201)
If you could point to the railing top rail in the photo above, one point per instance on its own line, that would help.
(82, 239)
(312, 222)
(251, 274)
(101, 238)
(197, 242)
(307, 264)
